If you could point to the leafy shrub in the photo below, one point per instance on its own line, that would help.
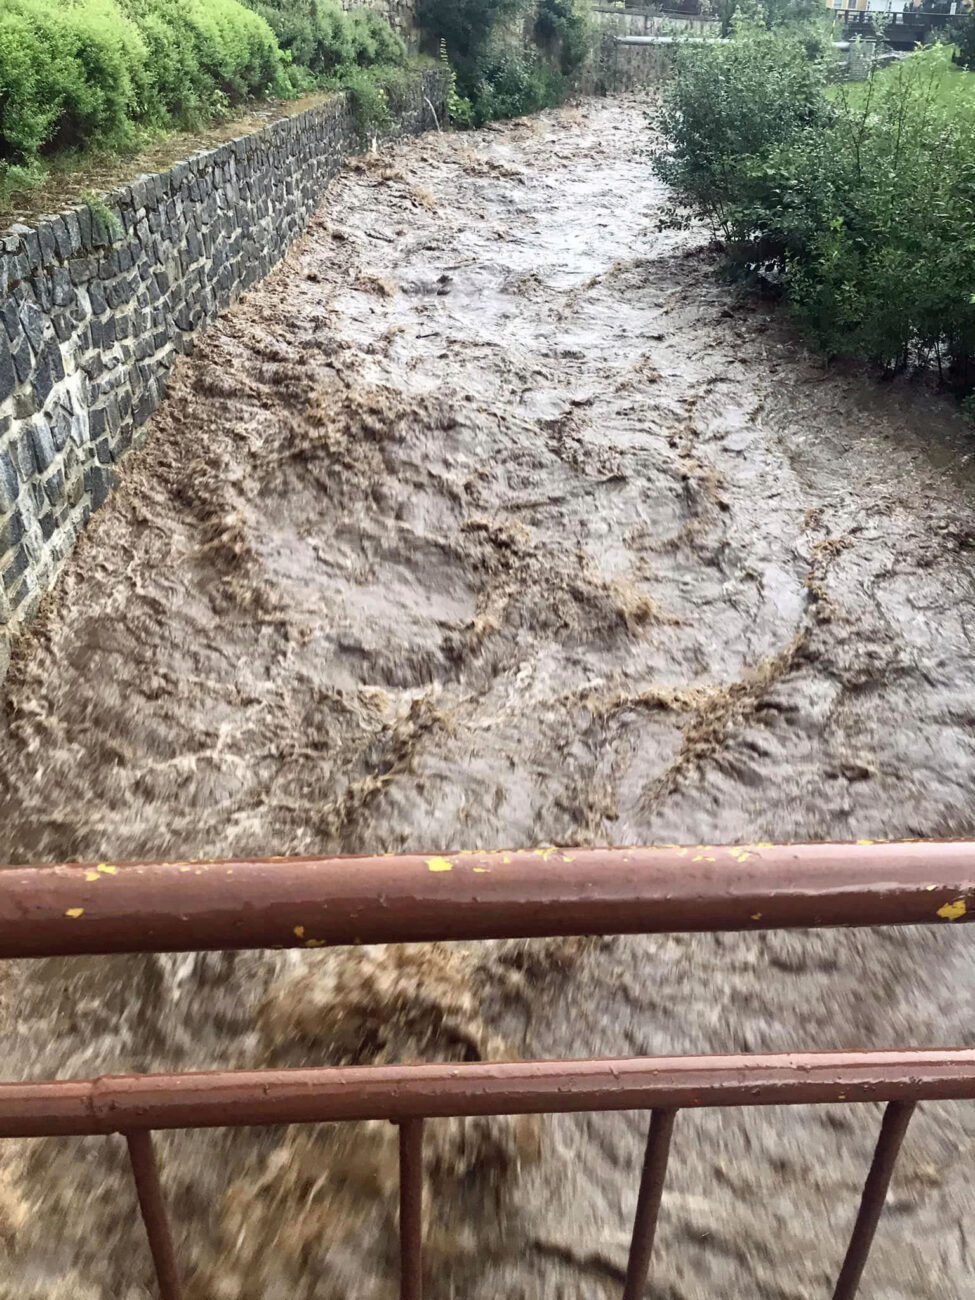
(466, 26)
(103, 73)
(67, 73)
(367, 97)
(511, 83)
(321, 38)
(509, 57)
(374, 41)
(563, 27)
(460, 111)
(860, 200)
(732, 107)
(205, 54)
(83, 72)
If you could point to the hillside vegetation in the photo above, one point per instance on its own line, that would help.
(107, 75)
(104, 77)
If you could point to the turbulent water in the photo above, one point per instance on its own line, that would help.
(494, 518)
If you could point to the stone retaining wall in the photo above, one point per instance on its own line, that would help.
(96, 303)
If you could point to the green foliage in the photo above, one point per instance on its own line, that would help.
(860, 201)
(467, 26)
(18, 179)
(563, 27)
(962, 33)
(77, 75)
(731, 107)
(98, 72)
(809, 15)
(314, 34)
(357, 52)
(460, 111)
(509, 57)
(321, 39)
(204, 56)
(513, 82)
(103, 215)
(375, 93)
(374, 41)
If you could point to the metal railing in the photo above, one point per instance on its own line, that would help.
(198, 906)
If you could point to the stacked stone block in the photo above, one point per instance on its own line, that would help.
(97, 302)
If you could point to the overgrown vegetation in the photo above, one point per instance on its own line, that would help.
(108, 75)
(322, 41)
(858, 201)
(509, 57)
(82, 77)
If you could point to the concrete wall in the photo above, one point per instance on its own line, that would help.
(653, 22)
(615, 67)
(96, 303)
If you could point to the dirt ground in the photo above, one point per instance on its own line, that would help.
(494, 518)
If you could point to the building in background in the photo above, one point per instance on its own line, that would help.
(900, 23)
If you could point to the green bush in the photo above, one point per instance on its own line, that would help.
(859, 201)
(511, 83)
(205, 54)
(467, 26)
(509, 57)
(321, 39)
(563, 28)
(97, 72)
(730, 109)
(67, 73)
(105, 73)
(374, 41)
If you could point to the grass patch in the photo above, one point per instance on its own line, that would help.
(952, 88)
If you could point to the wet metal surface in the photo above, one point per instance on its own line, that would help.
(550, 892)
(399, 1093)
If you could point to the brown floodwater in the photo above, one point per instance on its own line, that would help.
(494, 518)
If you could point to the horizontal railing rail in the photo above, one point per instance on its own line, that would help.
(100, 908)
(334, 1094)
(78, 909)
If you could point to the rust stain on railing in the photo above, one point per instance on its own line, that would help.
(313, 902)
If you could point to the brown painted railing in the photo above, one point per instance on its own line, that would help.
(196, 906)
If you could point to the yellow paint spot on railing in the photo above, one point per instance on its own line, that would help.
(75, 912)
(107, 869)
(953, 911)
(439, 864)
(92, 875)
(300, 931)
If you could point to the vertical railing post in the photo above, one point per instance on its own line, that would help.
(149, 1190)
(411, 1209)
(897, 1116)
(648, 1202)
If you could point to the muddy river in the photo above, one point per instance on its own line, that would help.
(494, 518)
